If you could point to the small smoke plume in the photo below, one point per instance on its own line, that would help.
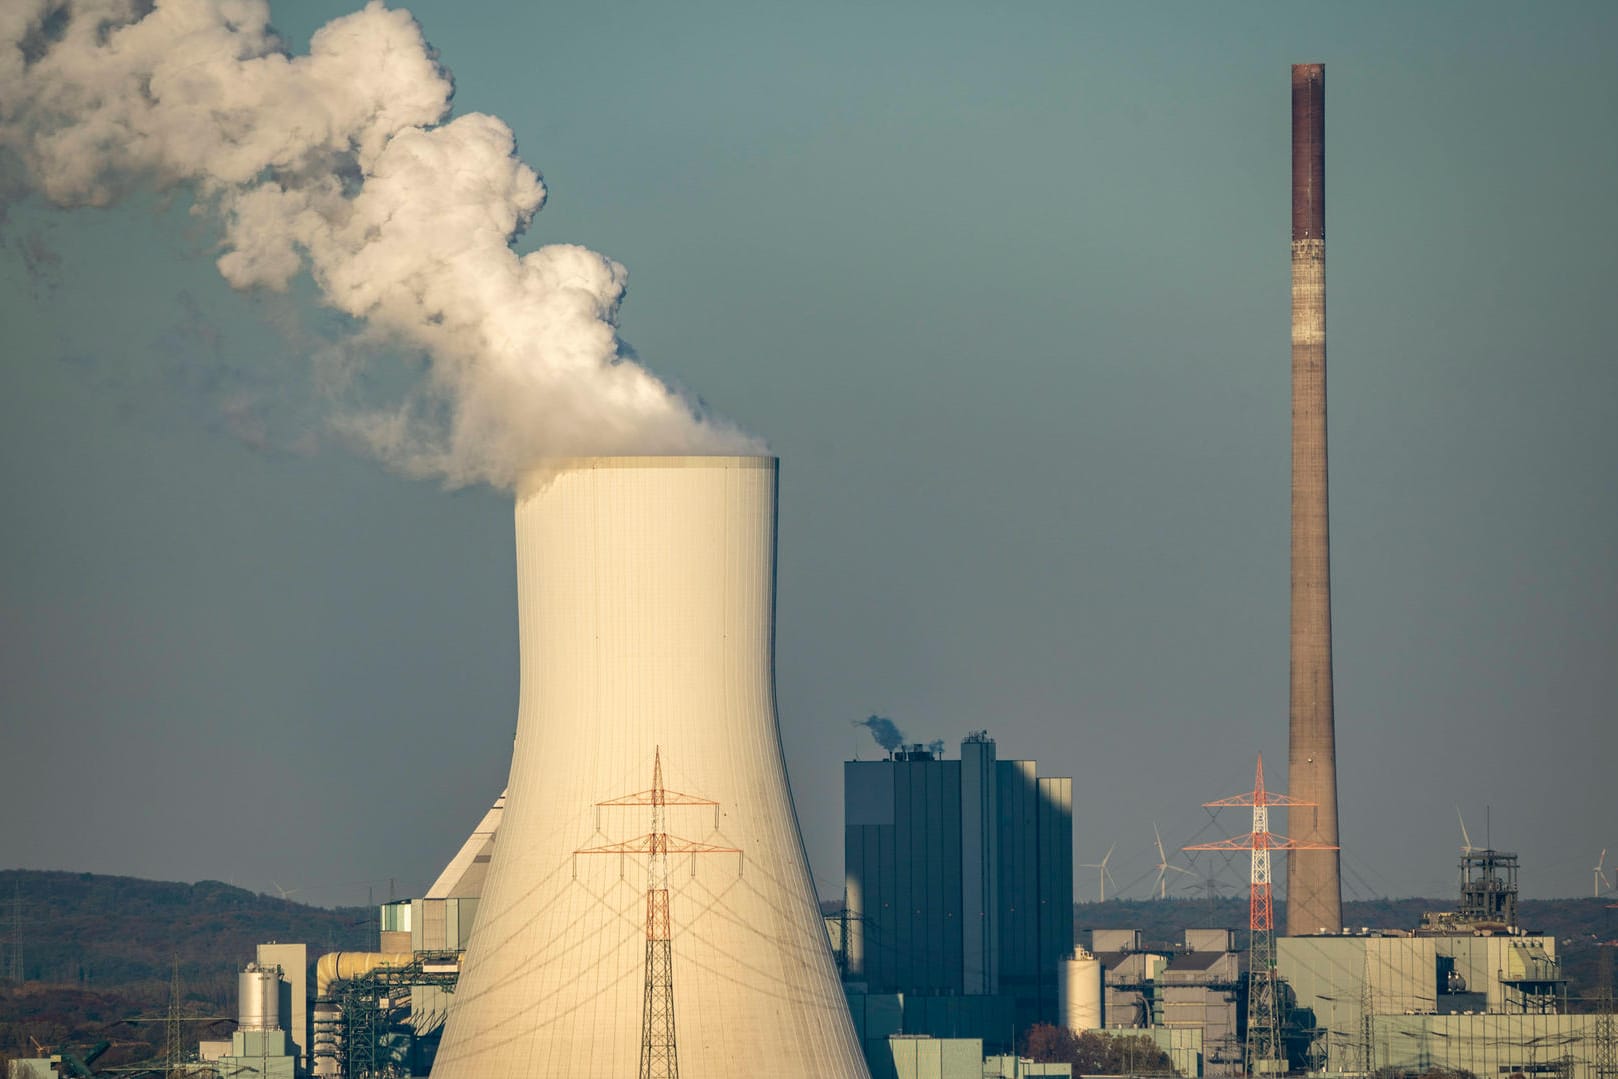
(884, 730)
(347, 164)
(936, 748)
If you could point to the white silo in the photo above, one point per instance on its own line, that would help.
(258, 998)
(1078, 992)
(646, 591)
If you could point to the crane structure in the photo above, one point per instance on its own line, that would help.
(1264, 1053)
(659, 1051)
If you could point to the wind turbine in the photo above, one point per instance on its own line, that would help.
(1163, 867)
(285, 892)
(1601, 876)
(1466, 840)
(1104, 874)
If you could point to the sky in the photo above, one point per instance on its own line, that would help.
(1006, 289)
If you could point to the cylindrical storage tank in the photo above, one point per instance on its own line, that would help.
(1078, 992)
(259, 991)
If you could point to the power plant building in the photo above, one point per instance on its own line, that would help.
(959, 888)
(1467, 990)
(1187, 997)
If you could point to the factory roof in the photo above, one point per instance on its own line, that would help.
(462, 878)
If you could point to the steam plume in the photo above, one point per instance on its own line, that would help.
(884, 730)
(345, 162)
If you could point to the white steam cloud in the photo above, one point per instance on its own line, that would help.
(345, 162)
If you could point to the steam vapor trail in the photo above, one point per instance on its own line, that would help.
(345, 162)
(884, 730)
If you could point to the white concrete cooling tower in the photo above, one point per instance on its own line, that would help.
(646, 593)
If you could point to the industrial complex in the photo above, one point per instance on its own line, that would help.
(637, 901)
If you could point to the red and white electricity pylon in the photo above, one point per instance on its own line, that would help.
(1263, 1053)
(659, 1049)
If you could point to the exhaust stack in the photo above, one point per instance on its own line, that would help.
(1314, 885)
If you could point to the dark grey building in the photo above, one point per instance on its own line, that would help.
(959, 878)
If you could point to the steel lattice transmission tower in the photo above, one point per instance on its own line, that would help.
(173, 1040)
(1263, 1053)
(659, 1049)
(15, 970)
(1606, 1053)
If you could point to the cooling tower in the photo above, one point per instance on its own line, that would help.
(1314, 888)
(646, 593)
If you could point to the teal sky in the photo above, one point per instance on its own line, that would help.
(1006, 288)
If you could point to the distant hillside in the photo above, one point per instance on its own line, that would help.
(1576, 923)
(96, 949)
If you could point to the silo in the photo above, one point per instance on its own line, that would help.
(646, 594)
(259, 992)
(1078, 990)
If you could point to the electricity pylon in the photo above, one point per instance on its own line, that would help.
(1264, 1052)
(659, 1051)
(1606, 1035)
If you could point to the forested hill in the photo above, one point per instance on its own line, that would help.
(95, 950)
(1575, 923)
(94, 930)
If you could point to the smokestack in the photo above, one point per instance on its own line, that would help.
(1314, 885)
(646, 613)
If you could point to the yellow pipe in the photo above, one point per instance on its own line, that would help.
(341, 966)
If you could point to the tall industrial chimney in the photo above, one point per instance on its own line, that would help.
(1314, 885)
(648, 907)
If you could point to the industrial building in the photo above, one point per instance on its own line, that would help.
(271, 1040)
(1187, 997)
(1468, 989)
(959, 890)
(958, 897)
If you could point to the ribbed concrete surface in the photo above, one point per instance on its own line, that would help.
(646, 610)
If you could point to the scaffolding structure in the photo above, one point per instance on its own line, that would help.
(1488, 889)
(659, 1048)
(1264, 1053)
